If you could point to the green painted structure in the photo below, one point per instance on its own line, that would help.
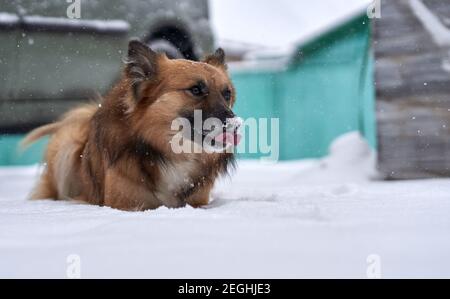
(325, 90)
(11, 154)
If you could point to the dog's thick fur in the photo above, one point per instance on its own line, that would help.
(118, 153)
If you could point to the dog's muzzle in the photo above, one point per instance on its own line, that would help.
(230, 135)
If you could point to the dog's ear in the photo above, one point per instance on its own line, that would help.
(217, 59)
(141, 65)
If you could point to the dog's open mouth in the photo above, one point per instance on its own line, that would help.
(230, 135)
(228, 138)
(218, 139)
(223, 139)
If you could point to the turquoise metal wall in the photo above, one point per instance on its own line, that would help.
(326, 90)
(10, 153)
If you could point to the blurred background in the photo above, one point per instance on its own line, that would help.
(324, 68)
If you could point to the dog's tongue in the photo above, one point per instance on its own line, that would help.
(229, 138)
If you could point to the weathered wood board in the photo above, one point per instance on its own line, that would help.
(413, 89)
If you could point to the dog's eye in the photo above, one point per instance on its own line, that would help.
(227, 95)
(196, 91)
(199, 90)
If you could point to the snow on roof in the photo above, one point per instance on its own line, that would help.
(97, 25)
(8, 19)
(279, 26)
(438, 31)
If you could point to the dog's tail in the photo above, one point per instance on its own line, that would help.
(38, 133)
(80, 114)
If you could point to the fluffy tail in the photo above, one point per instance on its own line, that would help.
(80, 114)
(38, 133)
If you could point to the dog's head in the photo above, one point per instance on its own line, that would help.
(162, 91)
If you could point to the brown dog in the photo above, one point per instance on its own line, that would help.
(119, 153)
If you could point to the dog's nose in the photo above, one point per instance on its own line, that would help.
(228, 113)
(223, 113)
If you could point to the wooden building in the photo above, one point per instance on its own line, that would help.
(412, 49)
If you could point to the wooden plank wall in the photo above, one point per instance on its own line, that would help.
(413, 92)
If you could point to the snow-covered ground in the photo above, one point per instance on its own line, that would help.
(317, 218)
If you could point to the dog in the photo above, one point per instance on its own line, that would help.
(118, 153)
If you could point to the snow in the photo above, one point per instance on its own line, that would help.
(315, 218)
(97, 25)
(435, 27)
(438, 31)
(8, 19)
(279, 26)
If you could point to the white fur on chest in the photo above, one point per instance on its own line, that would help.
(175, 177)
